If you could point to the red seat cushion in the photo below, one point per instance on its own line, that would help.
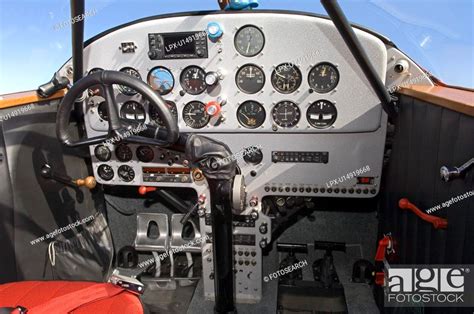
(32, 293)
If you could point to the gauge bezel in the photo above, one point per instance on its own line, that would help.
(121, 88)
(251, 127)
(134, 120)
(168, 104)
(162, 68)
(333, 120)
(293, 66)
(203, 80)
(105, 165)
(333, 87)
(237, 77)
(118, 157)
(109, 154)
(295, 105)
(237, 34)
(144, 147)
(122, 178)
(204, 107)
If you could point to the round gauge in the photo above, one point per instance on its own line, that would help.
(161, 80)
(249, 41)
(321, 114)
(254, 156)
(323, 78)
(102, 110)
(95, 70)
(286, 78)
(156, 117)
(250, 79)
(132, 72)
(251, 114)
(145, 153)
(126, 173)
(102, 153)
(95, 89)
(193, 80)
(133, 111)
(105, 172)
(123, 153)
(195, 115)
(286, 114)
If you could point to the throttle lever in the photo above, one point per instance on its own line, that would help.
(48, 173)
(449, 173)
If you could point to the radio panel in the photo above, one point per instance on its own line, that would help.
(182, 45)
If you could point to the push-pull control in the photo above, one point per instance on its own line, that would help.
(438, 222)
(449, 173)
(48, 173)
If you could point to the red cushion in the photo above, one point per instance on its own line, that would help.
(32, 293)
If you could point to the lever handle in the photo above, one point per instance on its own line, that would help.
(438, 222)
(48, 173)
(449, 173)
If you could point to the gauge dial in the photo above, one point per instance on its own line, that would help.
(95, 90)
(126, 173)
(123, 153)
(251, 114)
(193, 80)
(249, 41)
(321, 114)
(145, 153)
(132, 72)
(286, 114)
(286, 78)
(195, 115)
(323, 78)
(250, 79)
(102, 110)
(102, 153)
(161, 79)
(156, 117)
(105, 172)
(133, 111)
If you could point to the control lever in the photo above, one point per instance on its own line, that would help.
(323, 269)
(449, 173)
(48, 173)
(438, 222)
(57, 83)
(290, 259)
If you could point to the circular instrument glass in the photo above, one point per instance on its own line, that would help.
(133, 111)
(250, 79)
(249, 41)
(323, 78)
(145, 153)
(126, 173)
(156, 117)
(195, 115)
(105, 172)
(161, 79)
(193, 80)
(286, 114)
(95, 70)
(286, 78)
(125, 89)
(251, 114)
(123, 153)
(321, 114)
(102, 153)
(102, 110)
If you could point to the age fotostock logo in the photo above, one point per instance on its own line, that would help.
(451, 286)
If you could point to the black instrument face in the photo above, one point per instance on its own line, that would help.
(250, 79)
(251, 114)
(254, 156)
(126, 173)
(323, 78)
(193, 80)
(123, 153)
(102, 153)
(156, 117)
(102, 110)
(125, 89)
(95, 89)
(145, 153)
(105, 172)
(195, 115)
(133, 111)
(249, 41)
(286, 114)
(321, 114)
(286, 78)
(161, 79)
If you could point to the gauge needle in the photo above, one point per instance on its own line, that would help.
(277, 73)
(323, 72)
(248, 119)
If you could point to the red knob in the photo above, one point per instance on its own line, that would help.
(213, 108)
(145, 189)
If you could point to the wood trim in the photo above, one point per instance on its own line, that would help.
(24, 98)
(458, 100)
